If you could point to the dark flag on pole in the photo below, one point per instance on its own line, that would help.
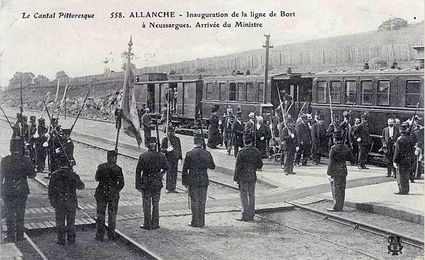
(130, 119)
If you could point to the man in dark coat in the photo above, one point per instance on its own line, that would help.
(111, 182)
(41, 144)
(354, 144)
(238, 130)
(404, 156)
(14, 170)
(147, 125)
(289, 146)
(262, 135)
(63, 197)
(213, 131)
(171, 147)
(362, 135)
(418, 138)
(389, 136)
(337, 170)
(149, 172)
(195, 178)
(304, 141)
(228, 133)
(318, 138)
(249, 159)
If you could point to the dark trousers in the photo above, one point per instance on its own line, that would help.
(419, 168)
(33, 154)
(316, 156)
(236, 149)
(101, 205)
(247, 194)
(147, 135)
(363, 154)
(15, 213)
(171, 178)
(390, 166)
(198, 197)
(288, 164)
(65, 214)
(151, 208)
(355, 153)
(41, 158)
(304, 151)
(403, 175)
(339, 183)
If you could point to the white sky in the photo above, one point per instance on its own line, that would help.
(77, 46)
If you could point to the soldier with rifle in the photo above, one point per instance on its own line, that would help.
(195, 178)
(40, 142)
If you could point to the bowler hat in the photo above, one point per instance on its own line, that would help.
(112, 154)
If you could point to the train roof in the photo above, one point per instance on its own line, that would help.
(371, 72)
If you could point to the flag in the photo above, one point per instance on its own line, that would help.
(130, 119)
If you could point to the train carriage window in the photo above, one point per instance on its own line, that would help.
(232, 91)
(366, 92)
(383, 93)
(260, 92)
(335, 91)
(208, 91)
(222, 91)
(250, 92)
(413, 88)
(241, 91)
(321, 91)
(350, 92)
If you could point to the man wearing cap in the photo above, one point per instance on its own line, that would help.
(362, 135)
(289, 145)
(249, 159)
(418, 138)
(149, 172)
(213, 132)
(40, 139)
(147, 125)
(32, 129)
(171, 147)
(389, 136)
(14, 170)
(318, 138)
(63, 197)
(195, 177)
(337, 170)
(111, 182)
(404, 156)
(238, 130)
(304, 140)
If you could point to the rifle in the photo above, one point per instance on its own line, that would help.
(62, 101)
(79, 112)
(6, 117)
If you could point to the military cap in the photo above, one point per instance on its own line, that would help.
(197, 138)
(151, 140)
(41, 120)
(15, 145)
(404, 127)
(112, 154)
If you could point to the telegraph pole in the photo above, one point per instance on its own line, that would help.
(266, 65)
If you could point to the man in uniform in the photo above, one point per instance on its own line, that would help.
(40, 142)
(228, 126)
(318, 138)
(171, 147)
(362, 135)
(32, 130)
(304, 140)
(149, 172)
(404, 156)
(389, 136)
(289, 145)
(238, 130)
(195, 178)
(418, 138)
(14, 170)
(111, 181)
(63, 197)
(337, 170)
(213, 132)
(147, 125)
(354, 143)
(249, 159)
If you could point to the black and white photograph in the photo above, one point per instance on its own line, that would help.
(195, 129)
